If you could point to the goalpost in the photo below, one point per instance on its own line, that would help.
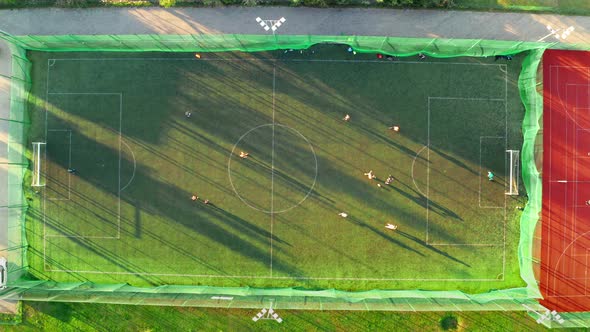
(37, 146)
(514, 160)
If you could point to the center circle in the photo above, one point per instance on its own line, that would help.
(280, 171)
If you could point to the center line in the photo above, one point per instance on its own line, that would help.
(272, 165)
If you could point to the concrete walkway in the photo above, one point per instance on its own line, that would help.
(6, 306)
(354, 21)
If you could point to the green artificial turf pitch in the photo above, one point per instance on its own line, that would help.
(127, 214)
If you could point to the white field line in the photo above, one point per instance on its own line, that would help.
(428, 174)
(268, 277)
(232, 152)
(83, 236)
(412, 173)
(505, 101)
(550, 175)
(45, 165)
(502, 66)
(566, 247)
(69, 133)
(45, 235)
(134, 165)
(505, 160)
(272, 168)
(481, 138)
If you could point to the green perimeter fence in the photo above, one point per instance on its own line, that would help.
(17, 161)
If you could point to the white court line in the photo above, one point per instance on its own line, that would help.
(586, 274)
(70, 166)
(573, 226)
(570, 181)
(468, 244)
(232, 152)
(576, 110)
(428, 175)
(505, 161)
(134, 166)
(83, 236)
(119, 185)
(45, 165)
(462, 98)
(550, 175)
(481, 176)
(272, 167)
(567, 159)
(574, 118)
(404, 62)
(69, 131)
(564, 296)
(268, 277)
(412, 173)
(558, 66)
(504, 66)
(505, 100)
(86, 93)
(45, 235)
(564, 241)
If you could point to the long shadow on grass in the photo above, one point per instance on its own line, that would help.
(423, 201)
(364, 193)
(333, 83)
(327, 245)
(96, 249)
(429, 247)
(361, 223)
(62, 226)
(170, 204)
(173, 203)
(454, 160)
(297, 185)
(243, 225)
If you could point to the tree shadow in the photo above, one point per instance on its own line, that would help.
(360, 223)
(430, 247)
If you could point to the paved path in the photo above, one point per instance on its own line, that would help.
(6, 307)
(354, 21)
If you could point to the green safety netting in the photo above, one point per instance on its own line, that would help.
(415, 300)
(14, 122)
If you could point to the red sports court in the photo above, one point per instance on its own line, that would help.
(565, 251)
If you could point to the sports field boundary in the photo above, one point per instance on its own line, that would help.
(564, 276)
(505, 138)
(271, 212)
(69, 175)
(507, 299)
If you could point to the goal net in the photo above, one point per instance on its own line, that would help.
(37, 146)
(514, 164)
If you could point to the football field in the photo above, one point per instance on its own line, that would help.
(131, 137)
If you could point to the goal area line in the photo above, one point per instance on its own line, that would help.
(46, 227)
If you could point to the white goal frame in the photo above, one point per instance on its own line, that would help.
(36, 182)
(514, 175)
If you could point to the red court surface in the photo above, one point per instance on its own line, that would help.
(565, 248)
